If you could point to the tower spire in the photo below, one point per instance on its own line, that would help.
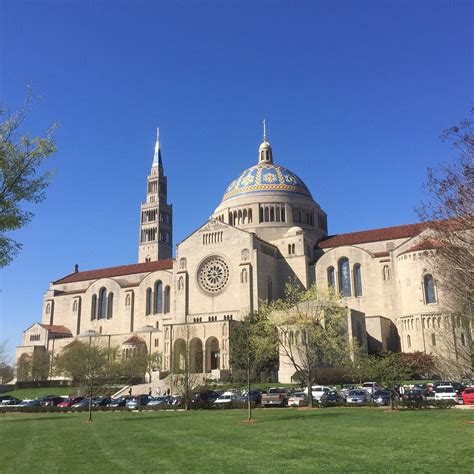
(157, 161)
(264, 131)
(265, 150)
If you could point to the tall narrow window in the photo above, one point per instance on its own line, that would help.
(331, 278)
(429, 289)
(149, 295)
(409, 342)
(167, 301)
(283, 217)
(110, 305)
(344, 277)
(357, 280)
(102, 303)
(158, 302)
(433, 339)
(94, 307)
(270, 290)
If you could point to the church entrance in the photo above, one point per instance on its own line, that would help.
(213, 354)
(196, 358)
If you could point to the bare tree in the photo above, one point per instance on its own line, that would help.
(312, 330)
(449, 213)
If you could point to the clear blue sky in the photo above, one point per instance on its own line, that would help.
(355, 94)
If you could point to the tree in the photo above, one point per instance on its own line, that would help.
(35, 366)
(6, 370)
(253, 345)
(389, 368)
(87, 364)
(312, 330)
(184, 380)
(21, 181)
(449, 213)
(419, 363)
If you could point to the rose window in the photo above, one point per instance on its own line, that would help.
(213, 275)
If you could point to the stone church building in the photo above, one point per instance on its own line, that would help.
(266, 229)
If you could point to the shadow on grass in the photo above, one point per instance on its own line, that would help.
(298, 416)
(33, 418)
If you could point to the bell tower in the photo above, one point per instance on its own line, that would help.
(156, 231)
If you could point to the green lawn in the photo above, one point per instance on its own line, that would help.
(325, 440)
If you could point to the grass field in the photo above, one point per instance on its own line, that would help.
(31, 393)
(325, 440)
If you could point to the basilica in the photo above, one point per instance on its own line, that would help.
(266, 229)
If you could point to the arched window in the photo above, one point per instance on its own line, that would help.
(94, 307)
(409, 342)
(48, 308)
(357, 280)
(283, 217)
(74, 305)
(102, 303)
(158, 300)
(167, 304)
(149, 295)
(250, 216)
(110, 305)
(127, 300)
(344, 277)
(331, 278)
(429, 289)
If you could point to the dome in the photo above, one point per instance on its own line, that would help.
(266, 178)
(293, 231)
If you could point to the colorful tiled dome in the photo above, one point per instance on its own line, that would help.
(266, 178)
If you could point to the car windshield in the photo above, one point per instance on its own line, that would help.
(353, 393)
(413, 392)
(445, 390)
(469, 390)
(276, 390)
(381, 392)
(299, 395)
(368, 384)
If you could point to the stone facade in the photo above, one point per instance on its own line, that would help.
(267, 229)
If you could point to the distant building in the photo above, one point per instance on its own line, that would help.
(266, 229)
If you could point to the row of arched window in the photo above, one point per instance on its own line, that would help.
(240, 217)
(102, 306)
(302, 216)
(272, 213)
(344, 278)
(157, 300)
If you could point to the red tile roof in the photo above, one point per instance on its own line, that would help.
(374, 235)
(427, 244)
(53, 329)
(117, 271)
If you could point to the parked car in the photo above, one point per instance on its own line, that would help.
(134, 403)
(413, 396)
(381, 397)
(118, 402)
(69, 402)
(226, 400)
(204, 399)
(358, 396)
(81, 405)
(371, 387)
(157, 401)
(318, 391)
(101, 401)
(468, 396)
(51, 401)
(10, 401)
(346, 389)
(276, 397)
(446, 392)
(331, 398)
(30, 403)
(298, 399)
(255, 396)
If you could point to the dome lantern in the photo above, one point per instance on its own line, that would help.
(265, 150)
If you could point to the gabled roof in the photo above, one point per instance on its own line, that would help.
(374, 235)
(147, 267)
(426, 244)
(54, 329)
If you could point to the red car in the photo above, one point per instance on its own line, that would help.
(468, 396)
(70, 402)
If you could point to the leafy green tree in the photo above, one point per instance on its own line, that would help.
(87, 364)
(34, 367)
(254, 344)
(312, 330)
(6, 370)
(21, 181)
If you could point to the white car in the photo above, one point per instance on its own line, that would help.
(299, 399)
(318, 391)
(446, 392)
(371, 387)
(226, 400)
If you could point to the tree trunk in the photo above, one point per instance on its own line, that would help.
(90, 403)
(249, 406)
(310, 391)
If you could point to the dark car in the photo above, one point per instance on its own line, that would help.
(10, 401)
(51, 401)
(204, 399)
(100, 401)
(331, 398)
(134, 403)
(118, 402)
(30, 403)
(413, 396)
(255, 396)
(381, 397)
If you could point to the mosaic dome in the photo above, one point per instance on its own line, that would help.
(266, 178)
